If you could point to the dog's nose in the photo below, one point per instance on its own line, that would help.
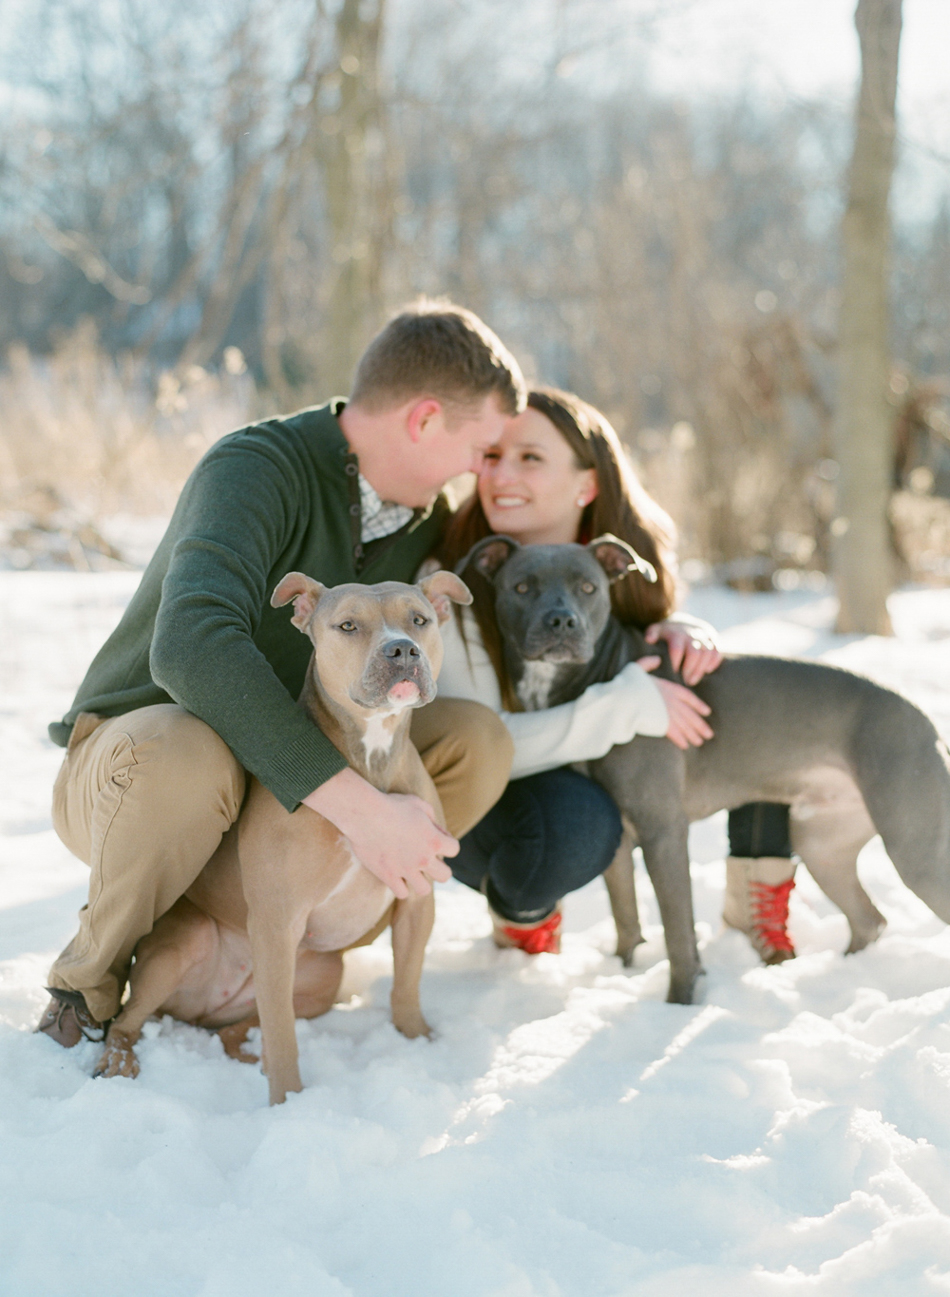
(560, 619)
(401, 650)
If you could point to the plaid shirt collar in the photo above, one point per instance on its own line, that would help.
(379, 517)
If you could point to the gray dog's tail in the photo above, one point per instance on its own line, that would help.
(903, 769)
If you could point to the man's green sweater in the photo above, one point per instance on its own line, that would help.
(266, 500)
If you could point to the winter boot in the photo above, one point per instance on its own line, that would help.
(543, 937)
(756, 902)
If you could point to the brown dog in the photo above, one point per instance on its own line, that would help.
(259, 936)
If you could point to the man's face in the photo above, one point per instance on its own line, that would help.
(449, 446)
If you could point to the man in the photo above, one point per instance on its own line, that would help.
(198, 682)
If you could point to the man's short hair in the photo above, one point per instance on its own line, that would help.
(434, 348)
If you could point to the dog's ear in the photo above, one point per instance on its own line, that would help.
(442, 589)
(305, 593)
(488, 555)
(617, 558)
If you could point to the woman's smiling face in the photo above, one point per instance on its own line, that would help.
(530, 486)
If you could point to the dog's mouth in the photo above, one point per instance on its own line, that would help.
(575, 649)
(388, 694)
(404, 692)
(559, 655)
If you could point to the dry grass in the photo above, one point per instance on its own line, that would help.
(86, 436)
(922, 531)
(94, 450)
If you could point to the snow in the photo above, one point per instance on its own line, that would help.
(567, 1133)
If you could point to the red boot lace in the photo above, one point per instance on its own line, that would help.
(770, 911)
(543, 939)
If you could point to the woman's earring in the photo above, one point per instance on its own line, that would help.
(581, 501)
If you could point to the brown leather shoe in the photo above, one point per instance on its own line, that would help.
(67, 1020)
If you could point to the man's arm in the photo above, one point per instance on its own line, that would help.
(234, 520)
(238, 516)
(392, 834)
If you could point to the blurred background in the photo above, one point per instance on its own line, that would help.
(207, 210)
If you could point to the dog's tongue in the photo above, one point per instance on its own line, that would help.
(405, 692)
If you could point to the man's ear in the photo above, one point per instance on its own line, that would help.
(617, 558)
(488, 555)
(305, 593)
(420, 415)
(442, 589)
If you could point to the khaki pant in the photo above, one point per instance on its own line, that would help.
(145, 798)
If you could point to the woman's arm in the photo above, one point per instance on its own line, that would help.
(585, 729)
(607, 714)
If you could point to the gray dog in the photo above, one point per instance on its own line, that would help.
(851, 759)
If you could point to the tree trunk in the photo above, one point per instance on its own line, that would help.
(863, 562)
(351, 169)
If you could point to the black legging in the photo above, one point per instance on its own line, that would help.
(760, 829)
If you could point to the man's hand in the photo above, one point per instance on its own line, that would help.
(684, 709)
(692, 649)
(393, 835)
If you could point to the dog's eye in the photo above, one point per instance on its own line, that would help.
(588, 587)
(348, 626)
(521, 587)
(419, 620)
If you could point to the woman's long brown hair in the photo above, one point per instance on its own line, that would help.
(621, 507)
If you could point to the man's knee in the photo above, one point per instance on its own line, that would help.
(193, 740)
(173, 750)
(468, 752)
(481, 745)
(484, 738)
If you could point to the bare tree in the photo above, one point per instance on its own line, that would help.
(330, 214)
(863, 562)
(356, 216)
(277, 175)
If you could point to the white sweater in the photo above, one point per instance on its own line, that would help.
(603, 716)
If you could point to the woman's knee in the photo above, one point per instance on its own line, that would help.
(575, 807)
(560, 831)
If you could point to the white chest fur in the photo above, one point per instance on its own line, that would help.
(378, 735)
(354, 904)
(380, 730)
(535, 685)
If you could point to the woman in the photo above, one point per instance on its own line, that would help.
(559, 474)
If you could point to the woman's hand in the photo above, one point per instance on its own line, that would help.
(685, 710)
(692, 648)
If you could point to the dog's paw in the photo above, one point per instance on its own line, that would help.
(865, 936)
(687, 990)
(412, 1024)
(118, 1058)
(626, 952)
(234, 1038)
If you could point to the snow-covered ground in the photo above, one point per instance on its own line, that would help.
(567, 1134)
